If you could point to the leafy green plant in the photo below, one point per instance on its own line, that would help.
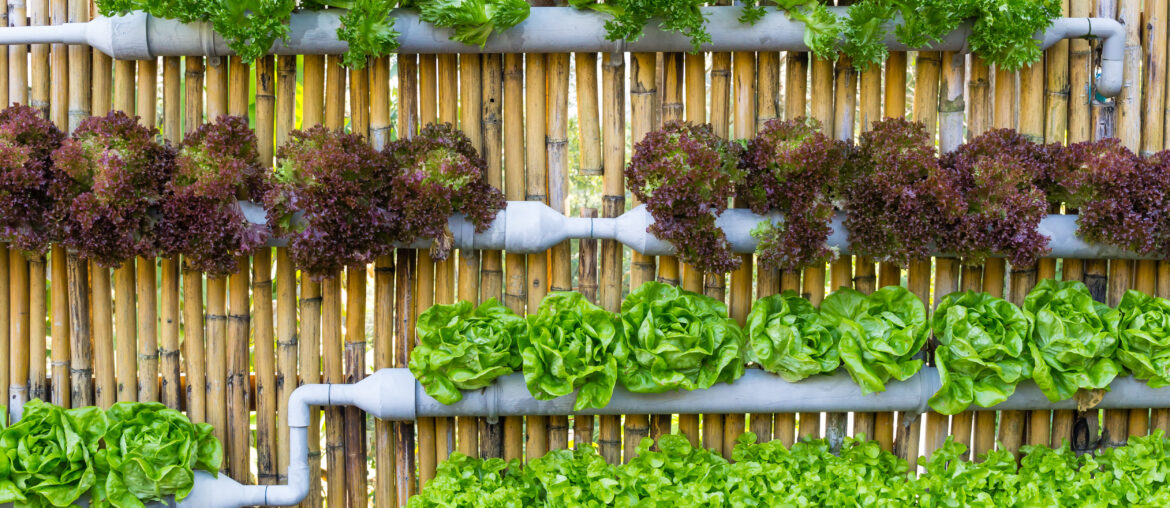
(678, 340)
(475, 483)
(572, 344)
(980, 353)
(151, 453)
(1073, 339)
(675, 474)
(461, 348)
(366, 28)
(473, 20)
(951, 480)
(50, 454)
(787, 337)
(631, 16)
(577, 477)
(881, 334)
(1144, 333)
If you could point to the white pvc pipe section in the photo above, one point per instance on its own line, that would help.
(547, 30)
(532, 226)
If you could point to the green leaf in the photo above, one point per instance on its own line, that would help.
(464, 349)
(980, 353)
(1073, 339)
(572, 344)
(474, 20)
(788, 337)
(678, 340)
(1144, 333)
(880, 334)
(50, 454)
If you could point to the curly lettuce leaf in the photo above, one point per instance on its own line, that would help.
(474, 20)
(151, 453)
(475, 483)
(674, 474)
(678, 340)
(464, 349)
(577, 477)
(1073, 339)
(572, 344)
(787, 337)
(367, 28)
(631, 16)
(1144, 333)
(881, 334)
(51, 453)
(980, 354)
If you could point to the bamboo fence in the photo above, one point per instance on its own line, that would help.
(549, 126)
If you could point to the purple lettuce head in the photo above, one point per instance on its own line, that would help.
(440, 174)
(28, 215)
(793, 168)
(217, 166)
(686, 174)
(116, 182)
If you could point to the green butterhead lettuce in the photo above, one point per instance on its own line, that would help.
(1073, 339)
(475, 483)
(577, 477)
(151, 453)
(8, 491)
(1144, 332)
(880, 334)
(980, 354)
(572, 344)
(51, 453)
(676, 474)
(460, 348)
(952, 480)
(678, 340)
(787, 337)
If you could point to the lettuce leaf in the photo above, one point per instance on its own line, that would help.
(473, 20)
(475, 483)
(464, 349)
(1144, 333)
(980, 354)
(881, 334)
(674, 474)
(787, 337)
(678, 340)
(50, 454)
(572, 344)
(1073, 339)
(577, 477)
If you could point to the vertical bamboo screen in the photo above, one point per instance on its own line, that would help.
(77, 333)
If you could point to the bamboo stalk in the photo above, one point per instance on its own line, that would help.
(865, 278)
(536, 438)
(695, 111)
(216, 354)
(331, 347)
(491, 441)
(587, 275)
(38, 379)
(1079, 55)
(126, 347)
(238, 324)
(841, 269)
(147, 332)
(471, 123)
(171, 373)
(1128, 103)
(60, 350)
(17, 57)
(267, 461)
(557, 147)
(516, 278)
(643, 119)
(404, 304)
(193, 347)
(448, 97)
(8, 321)
(588, 127)
(19, 302)
(613, 204)
(355, 370)
(385, 482)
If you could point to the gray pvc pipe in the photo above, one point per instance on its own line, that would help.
(393, 394)
(140, 36)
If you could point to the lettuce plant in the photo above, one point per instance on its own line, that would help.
(461, 348)
(676, 474)
(1073, 339)
(50, 454)
(572, 344)
(891, 208)
(793, 168)
(686, 174)
(475, 483)
(629, 17)
(577, 477)
(881, 334)
(344, 188)
(786, 336)
(992, 204)
(366, 28)
(951, 480)
(151, 453)
(117, 182)
(217, 166)
(678, 340)
(439, 174)
(1144, 333)
(29, 181)
(1121, 198)
(980, 351)
(473, 20)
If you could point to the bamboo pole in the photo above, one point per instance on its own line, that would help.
(557, 146)
(309, 339)
(795, 89)
(695, 111)
(39, 79)
(38, 380)
(471, 123)
(491, 439)
(425, 290)
(193, 319)
(61, 347)
(587, 277)
(239, 316)
(124, 283)
(80, 352)
(331, 315)
(1150, 274)
(768, 280)
(168, 351)
(216, 355)
(865, 277)
(17, 56)
(7, 321)
(714, 284)
(841, 269)
(404, 304)
(448, 97)
(145, 279)
(385, 468)
(267, 462)
(516, 278)
(588, 126)
(19, 334)
(536, 173)
(613, 204)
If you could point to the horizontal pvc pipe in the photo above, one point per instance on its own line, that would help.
(547, 30)
(532, 226)
(392, 394)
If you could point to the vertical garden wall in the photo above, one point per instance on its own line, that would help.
(558, 128)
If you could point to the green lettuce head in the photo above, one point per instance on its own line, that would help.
(787, 337)
(572, 344)
(881, 334)
(678, 340)
(980, 354)
(50, 454)
(1073, 340)
(464, 349)
(475, 483)
(150, 454)
(1144, 331)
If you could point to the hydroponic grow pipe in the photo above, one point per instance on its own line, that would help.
(532, 226)
(547, 30)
